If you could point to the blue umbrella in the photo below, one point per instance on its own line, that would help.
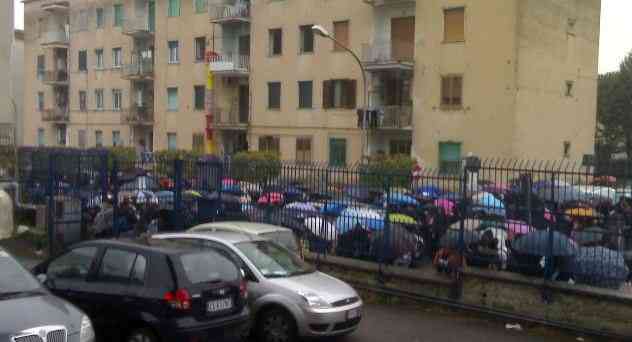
(599, 266)
(428, 191)
(400, 198)
(370, 219)
(488, 203)
(301, 209)
(334, 208)
(233, 188)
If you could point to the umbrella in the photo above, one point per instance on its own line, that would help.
(250, 187)
(301, 209)
(192, 193)
(447, 206)
(145, 183)
(496, 188)
(231, 186)
(548, 184)
(271, 198)
(468, 224)
(501, 236)
(321, 228)
(367, 218)
(290, 192)
(358, 192)
(588, 236)
(562, 194)
(488, 203)
(280, 218)
(428, 192)
(402, 219)
(103, 221)
(517, 228)
(598, 266)
(537, 243)
(451, 238)
(165, 199)
(581, 212)
(334, 207)
(400, 198)
(141, 196)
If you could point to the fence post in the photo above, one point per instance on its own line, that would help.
(549, 268)
(103, 172)
(178, 165)
(50, 189)
(114, 184)
(386, 238)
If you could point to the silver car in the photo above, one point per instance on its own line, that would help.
(288, 297)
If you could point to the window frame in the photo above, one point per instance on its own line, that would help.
(450, 166)
(95, 255)
(270, 143)
(451, 103)
(117, 279)
(40, 67)
(271, 42)
(306, 30)
(99, 94)
(270, 95)
(445, 24)
(301, 153)
(117, 57)
(83, 101)
(41, 101)
(41, 137)
(337, 47)
(98, 138)
(301, 100)
(116, 138)
(348, 94)
(99, 59)
(196, 88)
(82, 66)
(117, 100)
(173, 135)
(173, 51)
(200, 8)
(100, 18)
(119, 15)
(333, 162)
(174, 8)
(199, 57)
(82, 140)
(177, 100)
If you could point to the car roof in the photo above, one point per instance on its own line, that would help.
(243, 226)
(229, 237)
(140, 245)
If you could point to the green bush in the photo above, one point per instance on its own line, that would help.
(125, 156)
(388, 171)
(255, 166)
(164, 160)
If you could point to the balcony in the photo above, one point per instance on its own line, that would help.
(60, 6)
(138, 71)
(138, 116)
(230, 119)
(391, 55)
(139, 27)
(55, 39)
(397, 117)
(56, 115)
(226, 14)
(56, 77)
(228, 64)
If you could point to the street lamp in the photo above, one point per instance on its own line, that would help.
(321, 31)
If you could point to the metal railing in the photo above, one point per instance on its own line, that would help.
(137, 25)
(386, 52)
(55, 37)
(230, 117)
(55, 76)
(228, 12)
(138, 115)
(56, 114)
(397, 117)
(230, 62)
(141, 69)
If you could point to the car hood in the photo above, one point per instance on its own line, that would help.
(35, 311)
(327, 287)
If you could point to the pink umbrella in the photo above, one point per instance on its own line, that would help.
(496, 188)
(516, 228)
(271, 198)
(229, 181)
(447, 206)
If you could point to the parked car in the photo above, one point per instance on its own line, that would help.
(148, 291)
(29, 312)
(288, 297)
(281, 235)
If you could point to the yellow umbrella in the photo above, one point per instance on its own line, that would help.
(193, 193)
(581, 212)
(401, 218)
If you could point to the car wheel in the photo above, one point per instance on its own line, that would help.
(276, 325)
(142, 335)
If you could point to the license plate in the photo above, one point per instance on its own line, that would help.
(219, 305)
(353, 314)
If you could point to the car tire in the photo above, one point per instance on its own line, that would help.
(141, 335)
(276, 325)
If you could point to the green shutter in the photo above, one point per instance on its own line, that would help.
(174, 8)
(449, 157)
(200, 6)
(337, 152)
(118, 15)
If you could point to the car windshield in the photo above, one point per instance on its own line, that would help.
(272, 260)
(15, 279)
(283, 238)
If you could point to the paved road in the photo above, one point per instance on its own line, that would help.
(389, 323)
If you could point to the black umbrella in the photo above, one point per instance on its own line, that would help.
(599, 266)
(451, 238)
(537, 243)
(589, 236)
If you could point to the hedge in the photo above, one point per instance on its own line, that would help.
(390, 171)
(255, 166)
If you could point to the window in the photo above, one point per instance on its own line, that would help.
(454, 25)
(305, 94)
(307, 39)
(83, 60)
(98, 138)
(341, 34)
(303, 150)
(61, 135)
(174, 56)
(174, 8)
(400, 147)
(199, 97)
(41, 67)
(172, 99)
(200, 6)
(98, 95)
(81, 138)
(449, 157)
(40, 101)
(100, 18)
(200, 48)
(276, 42)
(117, 57)
(116, 265)
(116, 138)
(198, 143)
(74, 265)
(83, 101)
(99, 55)
(567, 149)
(569, 88)
(138, 272)
(339, 94)
(172, 141)
(269, 143)
(274, 95)
(41, 137)
(452, 92)
(118, 15)
(208, 267)
(117, 99)
(337, 152)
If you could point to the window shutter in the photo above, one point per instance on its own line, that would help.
(328, 94)
(350, 95)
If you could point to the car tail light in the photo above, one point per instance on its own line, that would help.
(179, 300)
(243, 289)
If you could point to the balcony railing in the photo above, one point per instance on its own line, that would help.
(401, 52)
(56, 5)
(230, 118)
(229, 13)
(396, 117)
(138, 27)
(230, 63)
(139, 70)
(55, 37)
(138, 115)
(55, 77)
(56, 114)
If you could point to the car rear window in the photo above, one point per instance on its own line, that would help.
(208, 267)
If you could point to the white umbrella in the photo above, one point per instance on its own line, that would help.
(321, 228)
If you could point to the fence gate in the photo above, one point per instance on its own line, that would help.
(77, 186)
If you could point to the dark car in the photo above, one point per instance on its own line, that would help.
(29, 313)
(150, 291)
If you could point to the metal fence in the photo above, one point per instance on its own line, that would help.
(558, 221)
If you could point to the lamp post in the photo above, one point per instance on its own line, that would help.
(321, 31)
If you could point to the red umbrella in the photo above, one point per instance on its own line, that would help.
(446, 205)
(271, 198)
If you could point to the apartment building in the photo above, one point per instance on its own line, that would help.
(7, 107)
(445, 78)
